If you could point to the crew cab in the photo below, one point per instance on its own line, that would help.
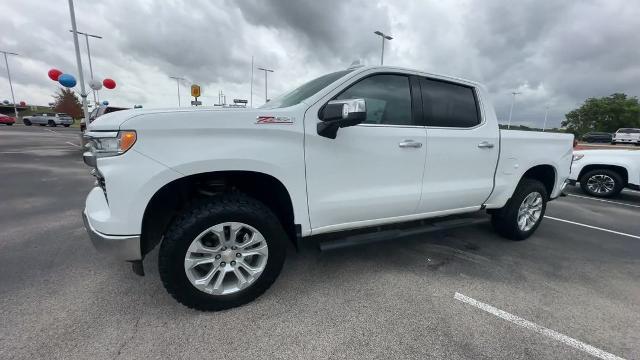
(51, 119)
(224, 191)
(626, 136)
(604, 173)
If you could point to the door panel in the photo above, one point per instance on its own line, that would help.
(364, 174)
(462, 150)
(371, 171)
(458, 173)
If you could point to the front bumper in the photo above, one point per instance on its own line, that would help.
(122, 247)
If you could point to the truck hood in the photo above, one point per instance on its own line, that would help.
(115, 120)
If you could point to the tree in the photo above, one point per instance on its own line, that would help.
(606, 114)
(65, 101)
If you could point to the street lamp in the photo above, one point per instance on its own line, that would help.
(513, 100)
(15, 109)
(546, 113)
(383, 36)
(178, 83)
(86, 37)
(265, 82)
(74, 29)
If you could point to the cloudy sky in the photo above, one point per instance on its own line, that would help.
(555, 53)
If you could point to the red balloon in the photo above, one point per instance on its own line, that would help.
(109, 83)
(54, 74)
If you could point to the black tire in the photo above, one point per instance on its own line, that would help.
(618, 182)
(66, 125)
(505, 220)
(52, 123)
(26, 122)
(202, 215)
(9, 124)
(42, 124)
(613, 143)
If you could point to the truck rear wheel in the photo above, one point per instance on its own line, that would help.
(222, 252)
(52, 123)
(522, 214)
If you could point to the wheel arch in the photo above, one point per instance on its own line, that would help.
(544, 173)
(624, 173)
(174, 196)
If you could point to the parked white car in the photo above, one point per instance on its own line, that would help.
(51, 119)
(604, 173)
(626, 136)
(226, 190)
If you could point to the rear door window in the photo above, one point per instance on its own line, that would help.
(446, 104)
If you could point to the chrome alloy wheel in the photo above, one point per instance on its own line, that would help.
(226, 258)
(601, 184)
(530, 211)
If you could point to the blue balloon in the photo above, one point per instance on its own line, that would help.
(67, 80)
(105, 103)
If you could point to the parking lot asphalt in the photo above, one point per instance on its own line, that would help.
(60, 299)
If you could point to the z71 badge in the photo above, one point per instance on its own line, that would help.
(275, 120)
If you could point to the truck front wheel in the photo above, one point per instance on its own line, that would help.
(522, 214)
(222, 252)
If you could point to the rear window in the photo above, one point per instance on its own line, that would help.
(628, 131)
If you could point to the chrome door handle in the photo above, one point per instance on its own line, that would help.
(410, 144)
(485, 145)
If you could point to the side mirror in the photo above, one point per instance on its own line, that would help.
(339, 114)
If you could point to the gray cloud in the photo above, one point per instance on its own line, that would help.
(556, 53)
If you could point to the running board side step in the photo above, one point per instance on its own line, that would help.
(379, 234)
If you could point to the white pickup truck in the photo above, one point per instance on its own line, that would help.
(604, 173)
(225, 191)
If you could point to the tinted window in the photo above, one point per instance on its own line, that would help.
(305, 91)
(388, 98)
(448, 105)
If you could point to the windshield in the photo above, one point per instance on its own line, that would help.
(305, 91)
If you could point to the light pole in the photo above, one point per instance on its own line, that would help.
(546, 112)
(74, 29)
(383, 36)
(178, 83)
(86, 37)
(251, 95)
(13, 98)
(266, 98)
(513, 100)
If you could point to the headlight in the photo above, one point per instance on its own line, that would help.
(111, 143)
(577, 157)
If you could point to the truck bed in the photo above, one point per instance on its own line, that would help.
(522, 150)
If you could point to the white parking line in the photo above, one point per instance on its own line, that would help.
(603, 200)
(591, 350)
(592, 227)
(53, 131)
(70, 143)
